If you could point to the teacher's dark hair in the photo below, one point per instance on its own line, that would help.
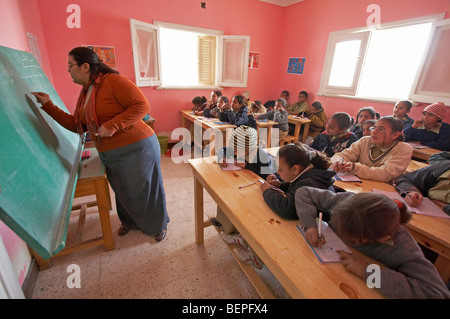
(84, 55)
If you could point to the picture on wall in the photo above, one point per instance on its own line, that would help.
(106, 54)
(253, 60)
(296, 65)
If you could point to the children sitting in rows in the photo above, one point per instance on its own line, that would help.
(364, 114)
(373, 225)
(318, 119)
(298, 166)
(401, 110)
(336, 136)
(279, 115)
(430, 130)
(381, 157)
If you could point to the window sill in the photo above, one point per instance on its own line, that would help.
(192, 87)
(360, 98)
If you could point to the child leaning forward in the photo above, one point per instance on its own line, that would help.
(373, 224)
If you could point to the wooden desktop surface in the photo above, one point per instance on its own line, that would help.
(277, 242)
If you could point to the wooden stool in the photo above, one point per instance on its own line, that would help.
(92, 181)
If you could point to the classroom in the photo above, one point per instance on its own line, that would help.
(286, 45)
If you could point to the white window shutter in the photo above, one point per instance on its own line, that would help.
(332, 63)
(233, 60)
(146, 53)
(432, 82)
(207, 60)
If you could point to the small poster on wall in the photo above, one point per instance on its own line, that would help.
(296, 65)
(106, 54)
(253, 60)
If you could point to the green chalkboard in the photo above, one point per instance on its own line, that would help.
(39, 159)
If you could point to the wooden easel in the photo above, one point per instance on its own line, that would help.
(92, 181)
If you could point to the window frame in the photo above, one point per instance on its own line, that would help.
(365, 34)
(218, 67)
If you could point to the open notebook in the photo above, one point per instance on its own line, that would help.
(427, 208)
(347, 177)
(327, 253)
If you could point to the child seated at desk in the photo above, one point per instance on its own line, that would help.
(381, 157)
(430, 130)
(373, 225)
(366, 127)
(211, 104)
(257, 108)
(432, 181)
(336, 136)
(243, 151)
(401, 110)
(199, 103)
(300, 106)
(297, 167)
(364, 114)
(318, 120)
(279, 115)
(236, 114)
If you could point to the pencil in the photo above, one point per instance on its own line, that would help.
(247, 185)
(319, 227)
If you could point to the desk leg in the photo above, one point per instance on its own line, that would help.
(269, 137)
(198, 208)
(305, 132)
(297, 132)
(103, 204)
(442, 265)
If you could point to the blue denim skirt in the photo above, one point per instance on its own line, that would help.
(134, 173)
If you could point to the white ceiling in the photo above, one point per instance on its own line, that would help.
(282, 3)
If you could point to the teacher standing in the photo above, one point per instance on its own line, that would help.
(111, 107)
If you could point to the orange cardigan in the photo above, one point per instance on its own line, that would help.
(120, 106)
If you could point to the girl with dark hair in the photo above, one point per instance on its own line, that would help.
(238, 113)
(381, 157)
(373, 225)
(401, 110)
(110, 107)
(298, 166)
(211, 104)
(364, 114)
(336, 136)
(199, 103)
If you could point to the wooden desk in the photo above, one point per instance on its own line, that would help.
(277, 242)
(431, 232)
(298, 122)
(91, 181)
(423, 153)
(267, 125)
(188, 119)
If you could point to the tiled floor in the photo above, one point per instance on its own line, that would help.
(139, 267)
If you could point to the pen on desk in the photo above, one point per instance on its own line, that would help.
(319, 228)
(247, 185)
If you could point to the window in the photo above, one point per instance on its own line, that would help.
(377, 64)
(175, 56)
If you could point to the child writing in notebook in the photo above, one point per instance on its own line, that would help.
(373, 225)
(198, 103)
(298, 166)
(336, 136)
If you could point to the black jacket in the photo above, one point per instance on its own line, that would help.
(284, 206)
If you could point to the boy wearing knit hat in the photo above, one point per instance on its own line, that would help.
(430, 130)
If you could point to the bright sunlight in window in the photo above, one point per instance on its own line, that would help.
(179, 57)
(392, 61)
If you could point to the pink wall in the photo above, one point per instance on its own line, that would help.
(17, 17)
(305, 34)
(106, 22)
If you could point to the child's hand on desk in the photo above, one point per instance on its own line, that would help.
(342, 167)
(264, 185)
(273, 180)
(352, 263)
(312, 236)
(414, 199)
